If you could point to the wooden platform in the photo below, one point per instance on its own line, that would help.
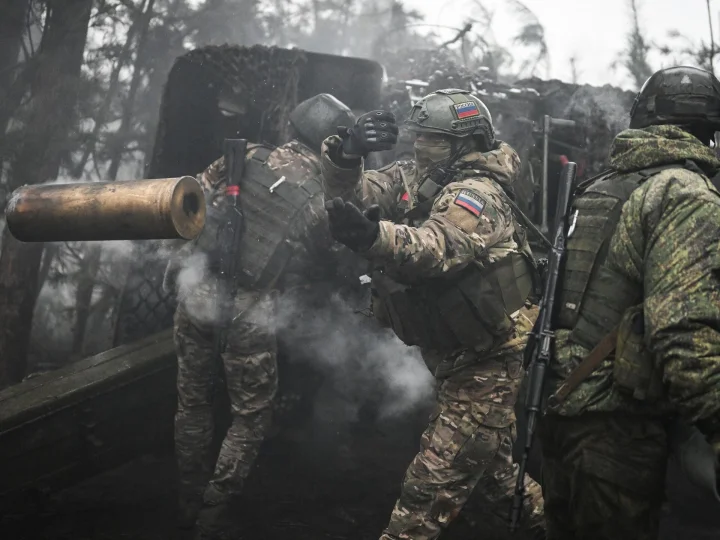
(61, 427)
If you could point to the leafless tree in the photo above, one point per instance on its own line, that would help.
(49, 113)
(634, 58)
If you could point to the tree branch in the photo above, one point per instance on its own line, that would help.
(461, 34)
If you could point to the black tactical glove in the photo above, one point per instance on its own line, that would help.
(373, 132)
(348, 225)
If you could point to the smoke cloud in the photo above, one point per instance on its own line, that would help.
(365, 362)
(325, 329)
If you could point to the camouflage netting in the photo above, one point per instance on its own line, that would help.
(260, 86)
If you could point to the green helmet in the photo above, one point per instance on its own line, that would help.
(452, 112)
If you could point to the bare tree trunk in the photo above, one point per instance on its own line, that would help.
(53, 87)
(47, 259)
(129, 105)
(91, 261)
(83, 296)
(101, 117)
(12, 29)
(636, 60)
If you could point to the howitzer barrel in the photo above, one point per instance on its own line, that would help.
(167, 208)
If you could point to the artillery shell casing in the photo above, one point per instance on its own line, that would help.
(168, 208)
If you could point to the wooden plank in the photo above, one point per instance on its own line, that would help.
(98, 374)
(62, 427)
(82, 365)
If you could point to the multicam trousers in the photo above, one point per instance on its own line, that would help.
(603, 476)
(250, 367)
(467, 445)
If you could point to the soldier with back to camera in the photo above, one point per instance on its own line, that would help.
(637, 355)
(284, 240)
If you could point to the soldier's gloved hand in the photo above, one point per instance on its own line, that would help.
(350, 226)
(373, 132)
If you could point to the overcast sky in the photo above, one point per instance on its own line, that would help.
(593, 31)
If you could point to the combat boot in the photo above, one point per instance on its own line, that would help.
(214, 520)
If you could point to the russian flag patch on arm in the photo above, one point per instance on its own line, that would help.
(470, 201)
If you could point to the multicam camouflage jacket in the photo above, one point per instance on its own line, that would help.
(666, 242)
(470, 219)
(308, 233)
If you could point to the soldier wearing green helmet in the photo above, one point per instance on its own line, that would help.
(453, 274)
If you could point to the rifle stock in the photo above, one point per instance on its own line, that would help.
(544, 336)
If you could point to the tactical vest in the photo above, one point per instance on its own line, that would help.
(471, 309)
(595, 300)
(270, 199)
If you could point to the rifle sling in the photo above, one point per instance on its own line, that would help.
(586, 367)
(524, 220)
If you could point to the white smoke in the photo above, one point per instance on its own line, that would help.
(196, 288)
(363, 360)
(606, 107)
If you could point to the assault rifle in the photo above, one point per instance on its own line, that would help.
(541, 341)
(229, 235)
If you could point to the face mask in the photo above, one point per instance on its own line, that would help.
(429, 153)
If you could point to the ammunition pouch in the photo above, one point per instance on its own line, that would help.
(634, 370)
(470, 310)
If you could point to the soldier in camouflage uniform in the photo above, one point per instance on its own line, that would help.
(640, 289)
(453, 275)
(285, 240)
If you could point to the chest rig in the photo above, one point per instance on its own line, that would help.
(468, 309)
(598, 304)
(271, 199)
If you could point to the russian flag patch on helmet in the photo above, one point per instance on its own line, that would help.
(470, 201)
(466, 110)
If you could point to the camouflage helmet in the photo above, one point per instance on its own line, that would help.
(318, 118)
(452, 112)
(677, 95)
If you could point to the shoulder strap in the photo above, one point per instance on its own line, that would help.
(582, 186)
(262, 153)
(586, 367)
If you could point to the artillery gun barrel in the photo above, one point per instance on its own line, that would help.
(168, 208)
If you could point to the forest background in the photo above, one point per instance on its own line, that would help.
(80, 89)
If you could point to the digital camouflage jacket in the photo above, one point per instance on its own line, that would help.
(666, 242)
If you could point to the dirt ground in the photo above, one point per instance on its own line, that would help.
(306, 485)
(317, 483)
(317, 478)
